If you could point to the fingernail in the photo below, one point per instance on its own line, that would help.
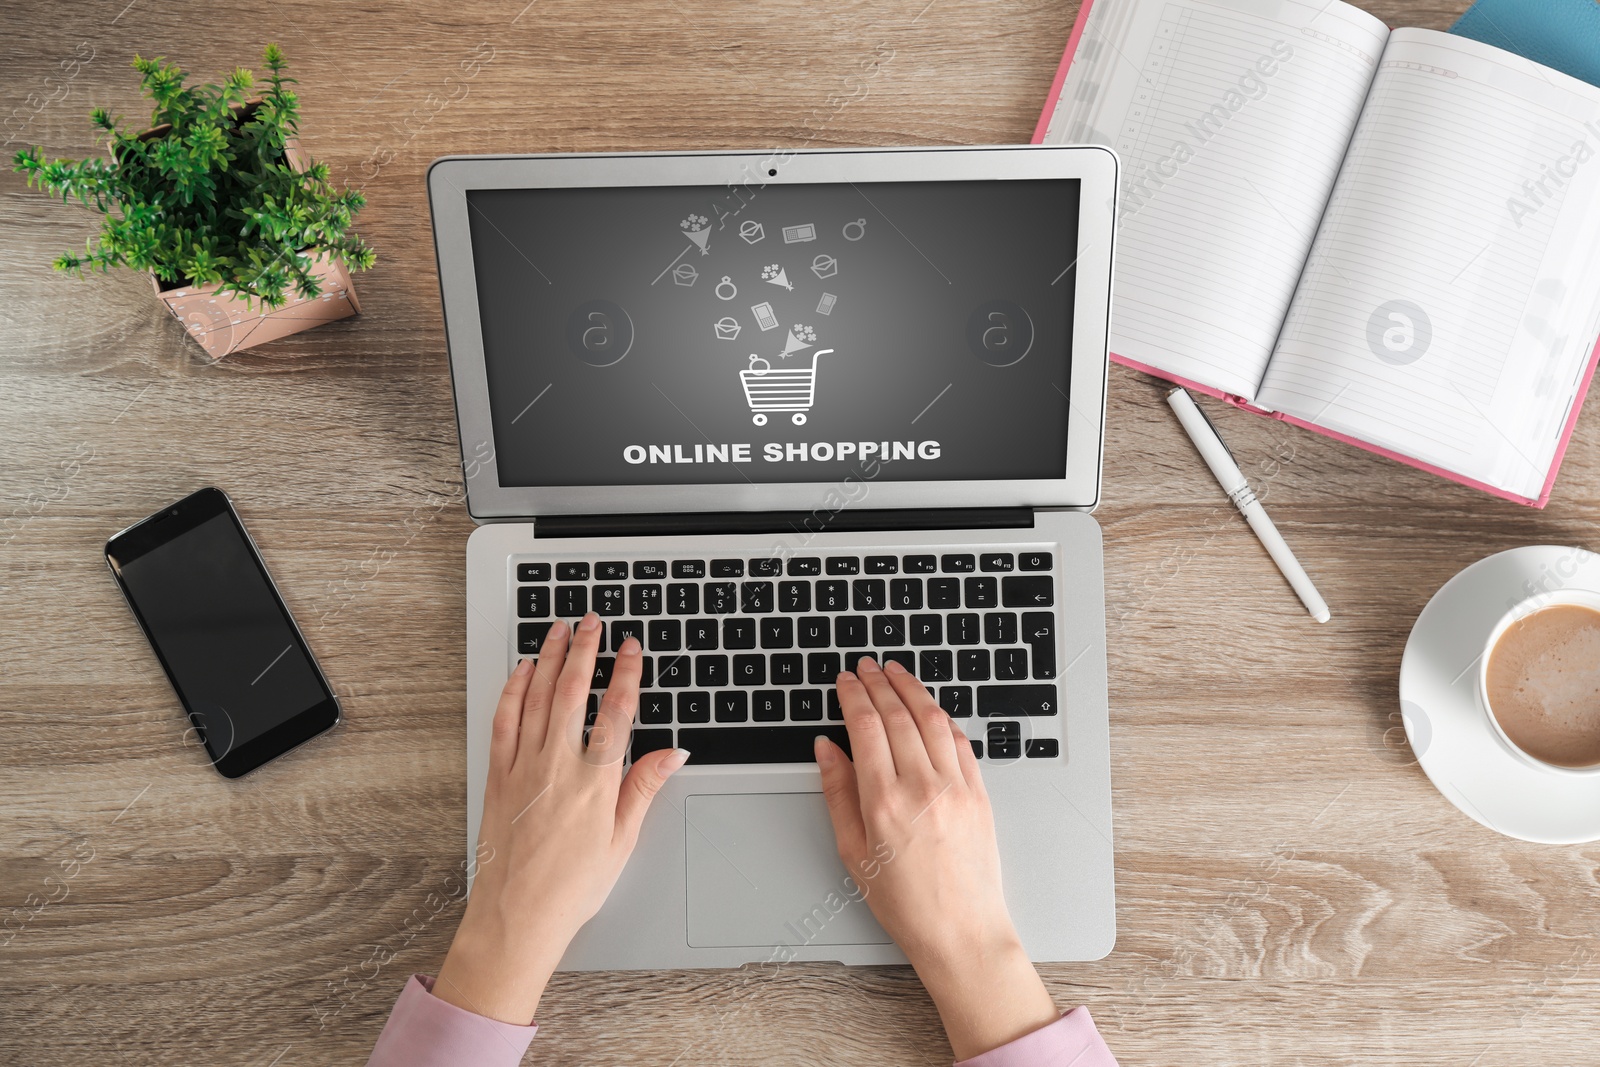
(893, 667)
(557, 629)
(630, 647)
(673, 760)
(826, 753)
(866, 665)
(590, 623)
(843, 675)
(523, 666)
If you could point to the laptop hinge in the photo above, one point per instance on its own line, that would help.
(802, 523)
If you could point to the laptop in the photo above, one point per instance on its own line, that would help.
(770, 412)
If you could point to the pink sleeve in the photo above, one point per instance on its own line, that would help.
(424, 1031)
(1070, 1041)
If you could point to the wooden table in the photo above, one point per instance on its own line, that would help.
(1291, 889)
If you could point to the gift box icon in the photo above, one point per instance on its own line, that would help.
(685, 274)
(727, 328)
(824, 266)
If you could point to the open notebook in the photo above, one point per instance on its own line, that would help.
(1392, 238)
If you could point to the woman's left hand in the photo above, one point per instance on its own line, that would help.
(559, 822)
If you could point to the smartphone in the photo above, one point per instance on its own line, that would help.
(239, 664)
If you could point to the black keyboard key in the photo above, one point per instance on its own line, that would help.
(750, 670)
(666, 635)
(1005, 740)
(530, 637)
(727, 568)
(1034, 561)
(611, 571)
(777, 632)
(850, 631)
(813, 632)
(572, 572)
(655, 707)
(688, 568)
(722, 598)
(533, 602)
(1015, 701)
(674, 672)
(755, 598)
(835, 710)
(533, 572)
(650, 570)
(921, 564)
(905, 594)
(794, 596)
(1039, 632)
(1010, 664)
(738, 633)
(608, 600)
(647, 676)
(572, 600)
(700, 635)
(645, 741)
(956, 700)
(603, 666)
(1032, 591)
(1000, 628)
(644, 600)
(997, 561)
(957, 563)
(694, 707)
(944, 592)
(844, 565)
(977, 748)
(871, 594)
(758, 744)
(927, 630)
(972, 664)
(733, 706)
(852, 660)
(683, 598)
(805, 705)
(833, 596)
(936, 666)
(805, 566)
(822, 668)
(623, 629)
(883, 565)
(888, 631)
(766, 705)
(1042, 748)
(962, 628)
(905, 657)
(788, 668)
(766, 568)
(982, 593)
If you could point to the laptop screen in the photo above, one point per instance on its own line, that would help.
(908, 331)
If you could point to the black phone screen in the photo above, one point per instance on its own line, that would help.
(225, 638)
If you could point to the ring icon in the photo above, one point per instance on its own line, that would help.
(860, 227)
(727, 282)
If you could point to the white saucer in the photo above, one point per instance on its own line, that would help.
(1447, 728)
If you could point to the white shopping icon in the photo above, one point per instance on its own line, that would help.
(791, 389)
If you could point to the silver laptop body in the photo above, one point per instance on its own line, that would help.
(770, 412)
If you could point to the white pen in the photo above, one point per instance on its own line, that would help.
(1220, 460)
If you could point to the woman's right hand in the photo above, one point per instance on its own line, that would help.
(916, 834)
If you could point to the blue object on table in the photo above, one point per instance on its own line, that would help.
(1563, 34)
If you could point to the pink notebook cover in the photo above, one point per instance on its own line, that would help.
(1242, 404)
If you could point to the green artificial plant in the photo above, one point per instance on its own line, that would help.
(207, 195)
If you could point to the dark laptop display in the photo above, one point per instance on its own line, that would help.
(915, 330)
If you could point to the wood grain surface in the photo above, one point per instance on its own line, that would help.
(1291, 889)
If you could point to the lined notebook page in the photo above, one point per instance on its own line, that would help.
(1469, 207)
(1231, 118)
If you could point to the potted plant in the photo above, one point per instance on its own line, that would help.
(244, 238)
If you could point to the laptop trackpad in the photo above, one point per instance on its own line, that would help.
(763, 870)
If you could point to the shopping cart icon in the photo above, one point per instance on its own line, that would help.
(783, 389)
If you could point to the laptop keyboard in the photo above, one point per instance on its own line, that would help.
(740, 655)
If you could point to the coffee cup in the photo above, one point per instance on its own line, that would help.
(1539, 681)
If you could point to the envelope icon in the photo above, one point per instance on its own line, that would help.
(824, 266)
(727, 328)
